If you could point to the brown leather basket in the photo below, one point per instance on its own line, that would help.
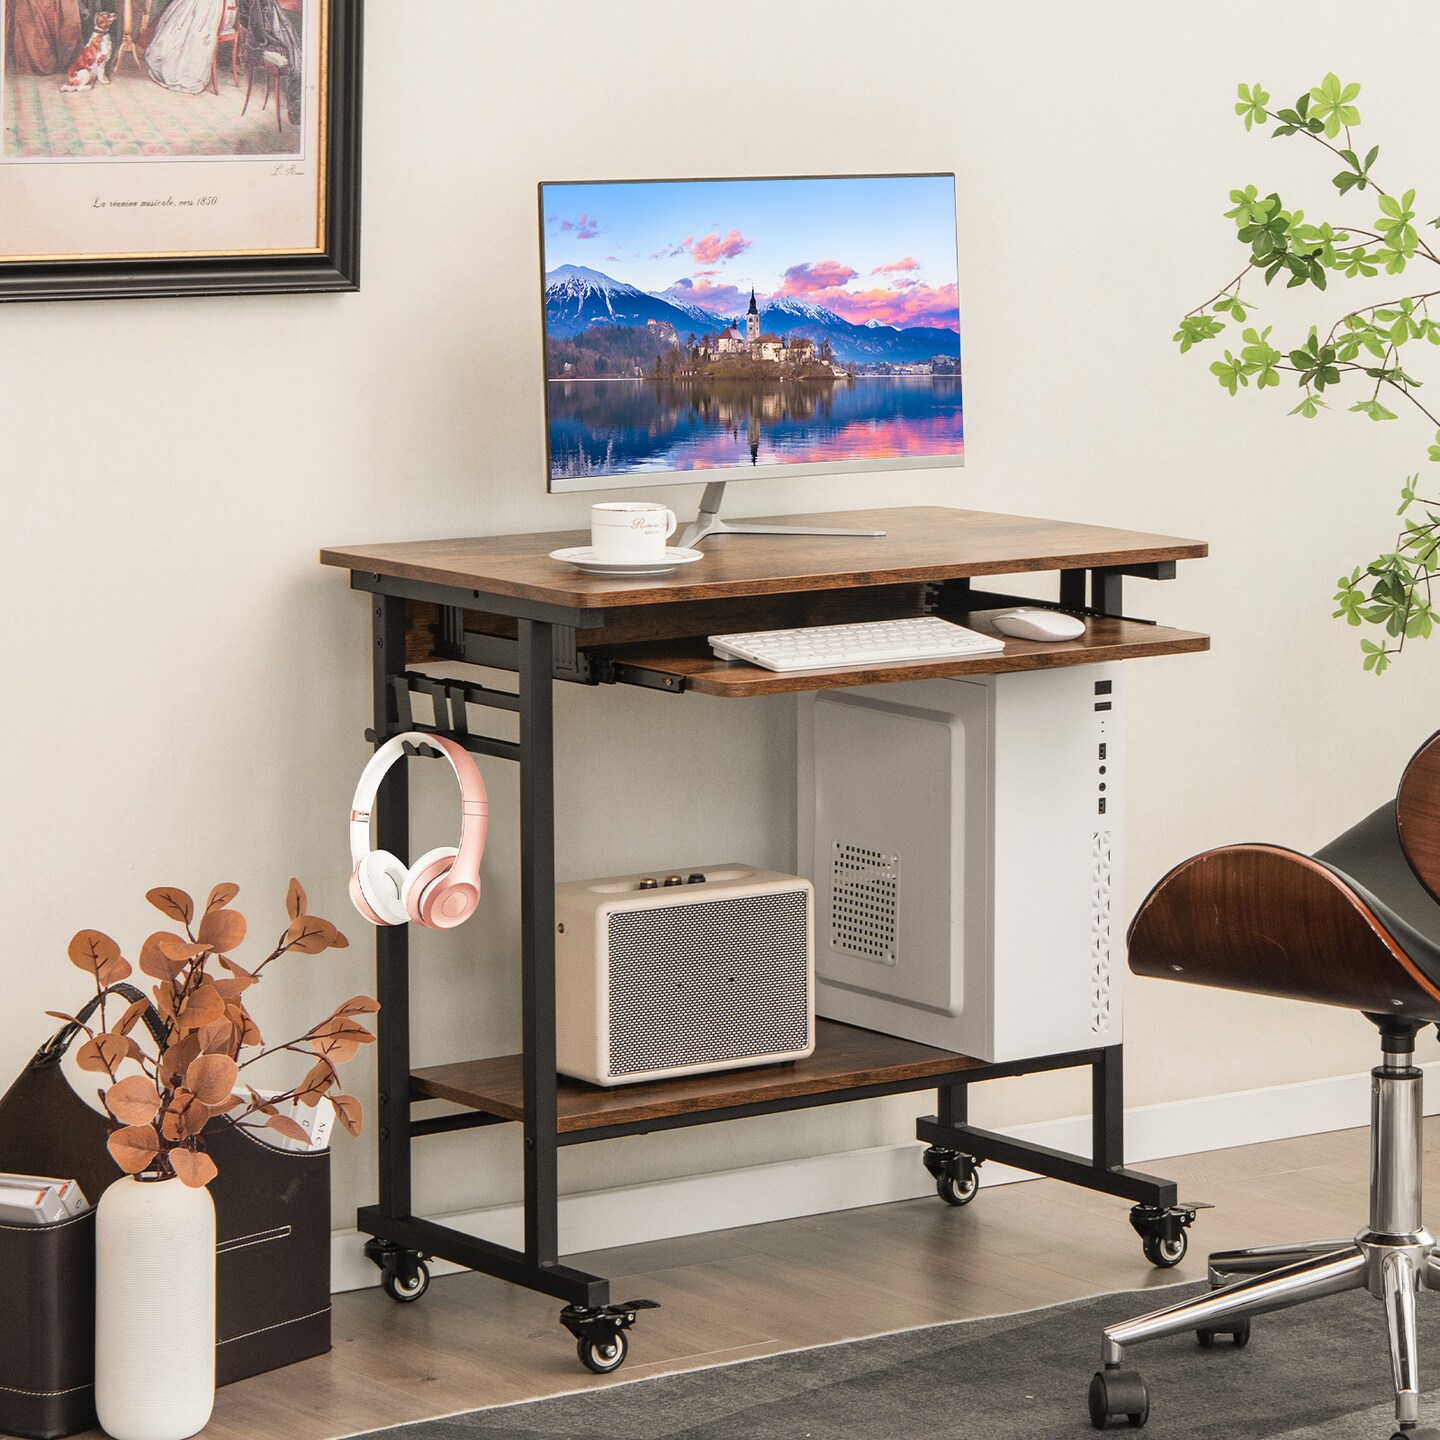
(272, 1225)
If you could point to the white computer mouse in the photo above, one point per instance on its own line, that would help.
(1039, 625)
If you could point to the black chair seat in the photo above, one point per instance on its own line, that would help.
(1369, 859)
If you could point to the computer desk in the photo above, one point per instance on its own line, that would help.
(501, 604)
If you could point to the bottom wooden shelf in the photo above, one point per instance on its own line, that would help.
(846, 1059)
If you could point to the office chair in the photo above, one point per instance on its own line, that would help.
(1357, 925)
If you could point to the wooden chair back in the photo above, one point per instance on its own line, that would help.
(1417, 812)
(1274, 922)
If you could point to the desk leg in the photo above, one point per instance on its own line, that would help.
(1107, 1109)
(1102, 1170)
(537, 940)
(392, 942)
(954, 1103)
(402, 1243)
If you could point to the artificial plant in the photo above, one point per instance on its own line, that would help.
(204, 1038)
(1369, 351)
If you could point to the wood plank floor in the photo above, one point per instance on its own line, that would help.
(736, 1294)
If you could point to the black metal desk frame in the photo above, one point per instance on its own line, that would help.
(542, 652)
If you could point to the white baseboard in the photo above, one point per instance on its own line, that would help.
(851, 1179)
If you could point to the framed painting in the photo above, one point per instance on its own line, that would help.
(169, 147)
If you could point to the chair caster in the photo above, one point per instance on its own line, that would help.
(404, 1276)
(957, 1176)
(1422, 1432)
(1117, 1394)
(1161, 1229)
(1238, 1331)
(599, 1331)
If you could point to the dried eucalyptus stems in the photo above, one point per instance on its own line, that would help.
(203, 1037)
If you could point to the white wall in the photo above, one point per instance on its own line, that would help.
(185, 687)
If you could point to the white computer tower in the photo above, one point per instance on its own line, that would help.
(963, 837)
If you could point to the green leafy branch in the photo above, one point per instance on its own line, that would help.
(1364, 347)
(1394, 590)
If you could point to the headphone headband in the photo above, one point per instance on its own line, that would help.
(474, 802)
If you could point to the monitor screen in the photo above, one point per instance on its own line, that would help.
(718, 329)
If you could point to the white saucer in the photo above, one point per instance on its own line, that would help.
(583, 558)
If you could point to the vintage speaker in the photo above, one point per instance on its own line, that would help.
(662, 975)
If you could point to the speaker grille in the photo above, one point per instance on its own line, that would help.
(714, 980)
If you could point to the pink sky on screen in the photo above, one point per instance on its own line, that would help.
(915, 304)
(878, 248)
(811, 278)
(709, 249)
(909, 302)
(723, 299)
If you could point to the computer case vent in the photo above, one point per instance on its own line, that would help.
(864, 890)
(1101, 917)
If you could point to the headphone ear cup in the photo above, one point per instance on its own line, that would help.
(431, 866)
(380, 879)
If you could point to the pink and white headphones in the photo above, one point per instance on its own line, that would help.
(442, 888)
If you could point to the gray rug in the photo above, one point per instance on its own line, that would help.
(1320, 1372)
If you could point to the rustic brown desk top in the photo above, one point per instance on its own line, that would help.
(922, 544)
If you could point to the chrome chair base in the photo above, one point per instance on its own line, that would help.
(1393, 1259)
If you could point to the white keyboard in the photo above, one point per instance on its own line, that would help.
(856, 647)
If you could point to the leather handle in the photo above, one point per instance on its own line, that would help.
(56, 1046)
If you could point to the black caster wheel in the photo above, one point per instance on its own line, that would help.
(407, 1289)
(1239, 1334)
(957, 1176)
(959, 1189)
(1118, 1395)
(599, 1332)
(1162, 1231)
(1165, 1254)
(1423, 1432)
(603, 1356)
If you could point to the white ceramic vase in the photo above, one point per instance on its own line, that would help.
(154, 1309)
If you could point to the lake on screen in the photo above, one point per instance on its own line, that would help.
(619, 427)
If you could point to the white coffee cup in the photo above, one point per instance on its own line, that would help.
(630, 532)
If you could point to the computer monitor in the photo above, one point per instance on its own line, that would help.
(706, 330)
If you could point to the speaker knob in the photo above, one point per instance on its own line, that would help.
(649, 885)
(673, 880)
(696, 878)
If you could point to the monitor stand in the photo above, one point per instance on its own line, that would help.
(708, 522)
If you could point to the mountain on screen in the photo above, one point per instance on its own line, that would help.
(577, 298)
